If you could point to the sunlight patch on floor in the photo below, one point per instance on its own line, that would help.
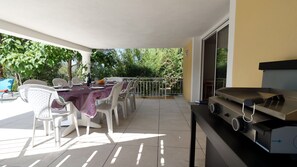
(13, 108)
(138, 136)
(162, 160)
(139, 154)
(35, 163)
(61, 163)
(12, 134)
(90, 158)
(116, 155)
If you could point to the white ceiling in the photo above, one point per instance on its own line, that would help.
(117, 23)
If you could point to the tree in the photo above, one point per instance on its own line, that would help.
(171, 68)
(32, 59)
(152, 59)
(1, 71)
(221, 66)
(40, 61)
(15, 59)
(104, 63)
(132, 63)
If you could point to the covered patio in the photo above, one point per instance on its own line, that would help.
(156, 134)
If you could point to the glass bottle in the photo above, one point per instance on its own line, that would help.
(89, 80)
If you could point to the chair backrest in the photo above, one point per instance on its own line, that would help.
(35, 81)
(6, 84)
(115, 92)
(40, 98)
(76, 81)
(22, 92)
(128, 89)
(134, 85)
(60, 82)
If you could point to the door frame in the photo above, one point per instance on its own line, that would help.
(215, 31)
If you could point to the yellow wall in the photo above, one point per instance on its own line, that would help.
(265, 30)
(187, 71)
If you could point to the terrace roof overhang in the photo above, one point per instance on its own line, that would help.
(83, 25)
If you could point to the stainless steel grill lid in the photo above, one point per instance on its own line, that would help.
(269, 101)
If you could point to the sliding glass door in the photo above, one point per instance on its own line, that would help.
(221, 58)
(215, 50)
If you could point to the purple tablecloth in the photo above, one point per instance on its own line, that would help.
(84, 98)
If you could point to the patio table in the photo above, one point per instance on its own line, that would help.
(83, 99)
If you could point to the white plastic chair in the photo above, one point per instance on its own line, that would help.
(60, 82)
(123, 99)
(164, 87)
(133, 93)
(109, 106)
(40, 98)
(35, 81)
(77, 81)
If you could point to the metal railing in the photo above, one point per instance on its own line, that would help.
(157, 87)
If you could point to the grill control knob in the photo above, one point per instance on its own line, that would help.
(238, 124)
(214, 108)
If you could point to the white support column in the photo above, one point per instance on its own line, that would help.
(86, 60)
(196, 68)
(232, 14)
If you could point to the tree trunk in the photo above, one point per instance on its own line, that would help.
(70, 69)
(1, 71)
(18, 79)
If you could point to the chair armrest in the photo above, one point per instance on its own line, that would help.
(103, 100)
(64, 104)
(61, 101)
(123, 94)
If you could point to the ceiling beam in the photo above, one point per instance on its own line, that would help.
(23, 32)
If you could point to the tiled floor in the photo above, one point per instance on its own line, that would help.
(157, 134)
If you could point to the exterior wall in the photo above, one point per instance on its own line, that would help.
(265, 30)
(187, 71)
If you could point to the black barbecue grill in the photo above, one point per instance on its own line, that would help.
(267, 115)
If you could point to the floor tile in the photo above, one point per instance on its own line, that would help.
(137, 137)
(89, 156)
(130, 156)
(173, 123)
(175, 138)
(146, 122)
(177, 157)
(32, 160)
